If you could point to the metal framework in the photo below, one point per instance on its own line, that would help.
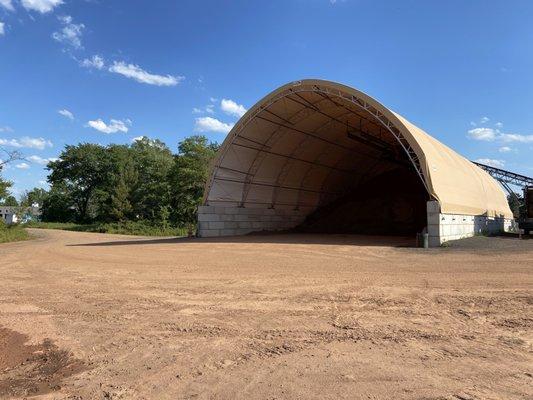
(328, 94)
(506, 177)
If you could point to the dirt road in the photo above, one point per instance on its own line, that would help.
(90, 316)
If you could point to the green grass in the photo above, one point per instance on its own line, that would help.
(122, 228)
(13, 233)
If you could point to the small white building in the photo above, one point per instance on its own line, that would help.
(16, 214)
(9, 214)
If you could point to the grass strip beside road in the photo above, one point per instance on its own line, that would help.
(120, 228)
(13, 233)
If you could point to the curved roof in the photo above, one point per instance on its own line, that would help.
(306, 143)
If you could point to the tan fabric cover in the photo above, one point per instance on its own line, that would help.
(459, 186)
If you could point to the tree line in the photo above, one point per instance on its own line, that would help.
(143, 181)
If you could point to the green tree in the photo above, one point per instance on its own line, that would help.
(33, 196)
(125, 180)
(515, 204)
(153, 162)
(142, 181)
(10, 200)
(4, 188)
(121, 208)
(189, 175)
(81, 170)
(58, 205)
(113, 195)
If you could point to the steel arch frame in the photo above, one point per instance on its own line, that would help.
(296, 88)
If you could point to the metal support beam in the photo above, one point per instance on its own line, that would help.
(313, 106)
(510, 191)
(506, 176)
(271, 140)
(331, 94)
(255, 183)
(331, 142)
(346, 171)
(295, 206)
(286, 167)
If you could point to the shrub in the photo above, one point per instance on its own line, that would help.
(12, 233)
(141, 228)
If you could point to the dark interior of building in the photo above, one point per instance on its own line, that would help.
(392, 203)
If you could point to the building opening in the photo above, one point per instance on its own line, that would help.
(393, 203)
(318, 156)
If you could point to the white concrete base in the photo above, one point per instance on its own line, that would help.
(230, 221)
(445, 227)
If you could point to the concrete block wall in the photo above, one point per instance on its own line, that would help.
(230, 221)
(445, 227)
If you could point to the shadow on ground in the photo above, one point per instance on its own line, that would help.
(504, 242)
(274, 238)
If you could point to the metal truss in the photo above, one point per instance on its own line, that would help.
(511, 192)
(385, 122)
(506, 177)
(327, 93)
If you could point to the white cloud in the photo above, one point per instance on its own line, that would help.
(482, 121)
(513, 137)
(28, 142)
(232, 108)
(70, 33)
(41, 160)
(7, 4)
(208, 124)
(35, 143)
(2, 29)
(485, 134)
(22, 165)
(10, 142)
(95, 61)
(491, 162)
(492, 134)
(209, 109)
(66, 113)
(115, 125)
(135, 72)
(6, 129)
(505, 149)
(42, 6)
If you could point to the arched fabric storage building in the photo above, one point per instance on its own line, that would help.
(319, 156)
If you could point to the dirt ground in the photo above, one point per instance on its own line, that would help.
(92, 316)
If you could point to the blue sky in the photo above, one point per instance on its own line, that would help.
(107, 71)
